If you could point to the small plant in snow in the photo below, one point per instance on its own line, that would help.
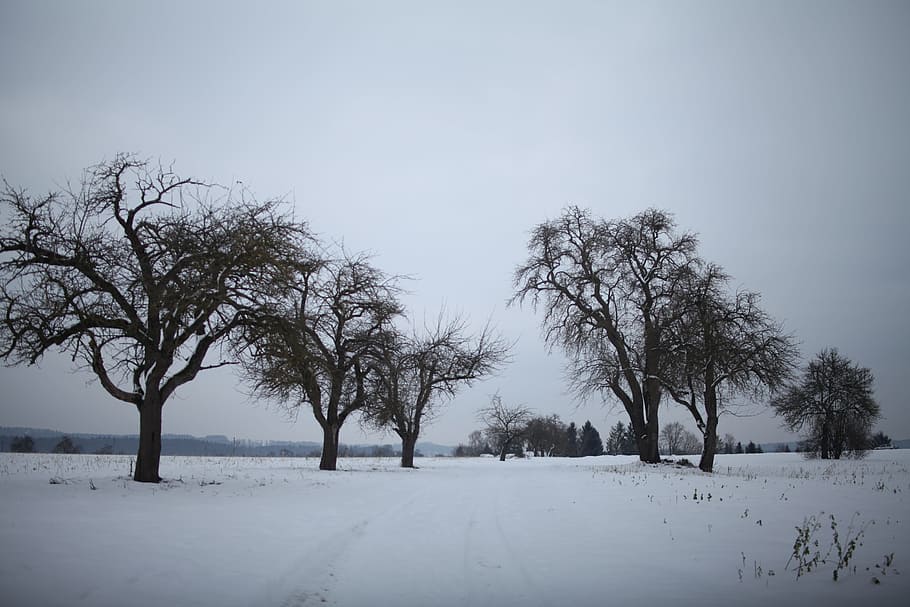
(845, 551)
(807, 550)
(883, 567)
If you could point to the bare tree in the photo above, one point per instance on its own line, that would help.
(690, 443)
(504, 425)
(413, 376)
(606, 289)
(721, 346)
(671, 438)
(833, 400)
(477, 443)
(313, 348)
(139, 274)
(677, 440)
(727, 444)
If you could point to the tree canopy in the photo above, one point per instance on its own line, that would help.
(314, 345)
(413, 375)
(138, 274)
(833, 404)
(606, 289)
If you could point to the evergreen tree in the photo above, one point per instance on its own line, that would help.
(615, 439)
(629, 442)
(590, 440)
(739, 448)
(751, 448)
(571, 441)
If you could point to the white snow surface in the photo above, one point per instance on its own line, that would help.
(590, 531)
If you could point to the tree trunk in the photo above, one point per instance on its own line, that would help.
(149, 441)
(408, 445)
(329, 460)
(641, 432)
(825, 439)
(647, 433)
(710, 445)
(651, 394)
(651, 454)
(647, 437)
(502, 452)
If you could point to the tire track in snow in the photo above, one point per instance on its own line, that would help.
(326, 553)
(493, 568)
(419, 543)
(324, 564)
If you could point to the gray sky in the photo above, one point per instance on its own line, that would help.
(437, 134)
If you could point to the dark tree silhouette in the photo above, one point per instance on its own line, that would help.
(721, 345)
(546, 436)
(879, 440)
(22, 444)
(833, 403)
(615, 439)
(412, 376)
(729, 443)
(605, 288)
(66, 445)
(621, 440)
(139, 274)
(313, 348)
(505, 426)
(571, 448)
(591, 443)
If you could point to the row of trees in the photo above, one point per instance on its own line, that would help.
(148, 279)
(642, 318)
(513, 430)
(26, 444)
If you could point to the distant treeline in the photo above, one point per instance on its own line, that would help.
(33, 440)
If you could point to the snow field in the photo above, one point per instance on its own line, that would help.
(590, 531)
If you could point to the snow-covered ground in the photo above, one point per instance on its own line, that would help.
(592, 531)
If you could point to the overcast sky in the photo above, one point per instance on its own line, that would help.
(437, 134)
